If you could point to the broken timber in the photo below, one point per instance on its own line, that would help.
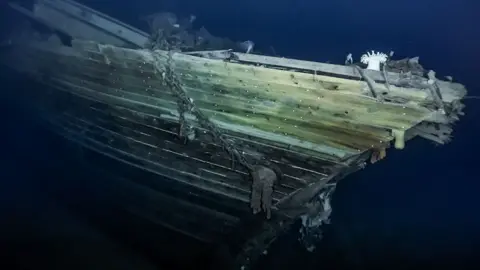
(315, 122)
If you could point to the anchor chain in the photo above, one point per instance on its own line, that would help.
(264, 174)
(186, 104)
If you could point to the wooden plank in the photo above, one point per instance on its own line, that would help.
(157, 168)
(110, 97)
(85, 134)
(214, 225)
(263, 84)
(333, 131)
(158, 153)
(162, 170)
(203, 147)
(170, 186)
(114, 27)
(308, 102)
(172, 112)
(118, 80)
(312, 164)
(161, 165)
(180, 216)
(292, 163)
(76, 101)
(173, 148)
(74, 27)
(88, 16)
(170, 151)
(144, 111)
(449, 91)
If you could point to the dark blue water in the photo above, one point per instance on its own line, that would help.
(418, 206)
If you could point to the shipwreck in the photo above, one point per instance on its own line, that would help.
(216, 133)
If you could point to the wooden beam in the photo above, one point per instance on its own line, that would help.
(449, 91)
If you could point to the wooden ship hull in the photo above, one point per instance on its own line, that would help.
(193, 130)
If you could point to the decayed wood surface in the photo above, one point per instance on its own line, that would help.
(449, 91)
(292, 104)
(308, 124)
(328, 116)
(141, 133)
(141, 196)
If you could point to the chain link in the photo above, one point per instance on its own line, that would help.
(186, 104)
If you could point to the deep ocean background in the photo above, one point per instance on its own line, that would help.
(418, 206)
